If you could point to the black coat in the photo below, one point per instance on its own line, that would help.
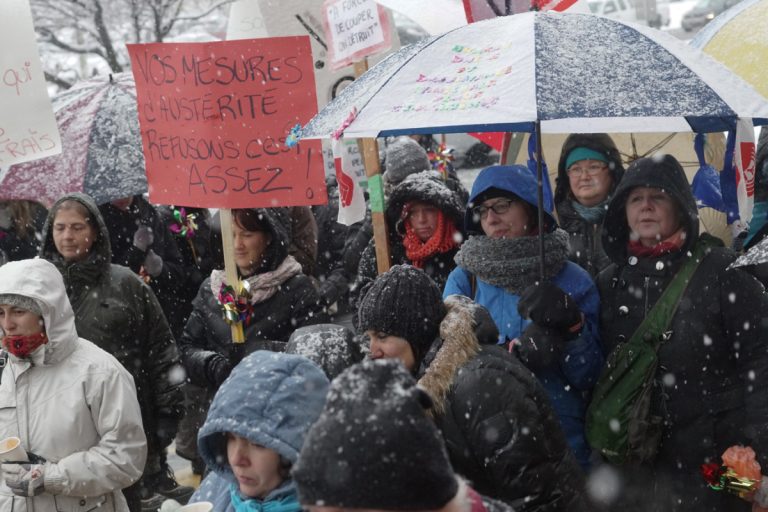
(708, 369)
(586, 248)
(499, 428)
(118, 312)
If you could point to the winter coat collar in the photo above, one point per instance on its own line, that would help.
(456, 346)
(513, 264)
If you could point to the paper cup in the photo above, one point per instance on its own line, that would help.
(200, 506)
(11, 450)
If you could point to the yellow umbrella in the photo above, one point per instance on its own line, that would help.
(738, 38)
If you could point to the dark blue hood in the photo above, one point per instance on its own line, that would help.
(516, 179)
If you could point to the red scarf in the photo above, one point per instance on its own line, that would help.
(442, 240)
(22, 346)
(666, 246)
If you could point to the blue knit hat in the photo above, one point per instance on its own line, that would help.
(582, 153)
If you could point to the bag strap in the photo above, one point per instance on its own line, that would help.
(473, 285)
(3, 362)
(652, 328)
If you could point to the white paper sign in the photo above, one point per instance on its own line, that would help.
(28, 129)
(355, 29)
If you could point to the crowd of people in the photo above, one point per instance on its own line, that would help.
(464, 378)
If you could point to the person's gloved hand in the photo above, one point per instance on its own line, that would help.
(153, 263)
(539, 347)
(166, 430)
(549, 306)
(217, 369)
(143, 238)
(23, 478)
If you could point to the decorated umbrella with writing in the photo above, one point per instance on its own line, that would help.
(101, 147)
(551, 72)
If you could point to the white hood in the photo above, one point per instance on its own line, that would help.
(40, 280)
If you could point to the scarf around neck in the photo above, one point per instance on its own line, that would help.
(669, 245)
(264, 285)
(591, 214)
(441, 241)
(513, 263)
(282, 499)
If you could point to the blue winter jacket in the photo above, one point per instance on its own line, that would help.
(569, 385)
(271, 399)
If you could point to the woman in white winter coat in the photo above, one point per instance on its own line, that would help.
(72, 405)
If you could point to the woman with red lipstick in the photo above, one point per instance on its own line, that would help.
(424, 217)
(255, 430)
(707, 394)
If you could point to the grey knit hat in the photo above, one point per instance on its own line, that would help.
(21, 301)
(403, 157)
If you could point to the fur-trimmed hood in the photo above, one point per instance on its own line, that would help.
(457, 345)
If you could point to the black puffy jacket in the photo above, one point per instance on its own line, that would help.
(497, 422)
(706, 382)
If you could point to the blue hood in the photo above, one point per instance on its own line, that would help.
(270, 399)
(517, 179)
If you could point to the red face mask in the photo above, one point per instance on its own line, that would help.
(22, 346)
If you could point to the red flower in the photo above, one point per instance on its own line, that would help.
(713, 473)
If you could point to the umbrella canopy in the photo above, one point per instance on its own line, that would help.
(571, 72)
(739, 39)
(102, 154)
(756, 255)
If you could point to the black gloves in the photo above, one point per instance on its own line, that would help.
(539, 347)
(549, 306)
(217, 369)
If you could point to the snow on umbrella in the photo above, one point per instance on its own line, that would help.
(739, 39)
(756, 255)
(570, 72)
(101, 154)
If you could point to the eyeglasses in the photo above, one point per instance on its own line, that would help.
(500, 207)
(577, 171)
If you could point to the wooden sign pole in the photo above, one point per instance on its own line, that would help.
(370, 151)
(230, 268)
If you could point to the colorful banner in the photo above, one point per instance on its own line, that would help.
(354, 29)
(215, 118)
(28, 129)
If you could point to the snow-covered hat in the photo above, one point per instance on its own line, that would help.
(374, 447)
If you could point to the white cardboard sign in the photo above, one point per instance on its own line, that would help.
(355, 29)
(28, 129)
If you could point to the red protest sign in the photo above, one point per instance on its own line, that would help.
(214, 120)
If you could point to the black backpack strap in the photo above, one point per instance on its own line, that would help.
(472, 286)
(3, 362)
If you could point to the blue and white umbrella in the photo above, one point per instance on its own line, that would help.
(570, 72)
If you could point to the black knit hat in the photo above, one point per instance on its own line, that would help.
(404, 302)
(374, 446)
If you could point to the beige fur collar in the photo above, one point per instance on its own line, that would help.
(459, 346)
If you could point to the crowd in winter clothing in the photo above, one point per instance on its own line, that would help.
(460, 379)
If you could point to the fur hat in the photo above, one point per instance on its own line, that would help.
(374, 447)
(21, 301)
(404, 302)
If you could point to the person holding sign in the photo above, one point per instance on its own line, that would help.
(273, 298)
(71, 404)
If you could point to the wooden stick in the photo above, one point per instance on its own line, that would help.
(230, 268)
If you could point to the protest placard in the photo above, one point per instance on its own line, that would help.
(28, 128)
(215, 118)
(354, 29)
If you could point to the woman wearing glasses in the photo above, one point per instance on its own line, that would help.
(551, 325)
(589, 170)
